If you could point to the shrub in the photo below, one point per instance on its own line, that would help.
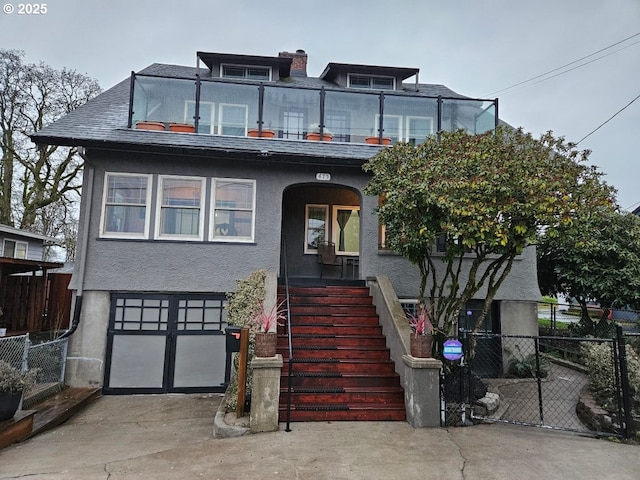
(598, 358)
(243, 307)
(526, 367)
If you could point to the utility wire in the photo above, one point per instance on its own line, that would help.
(608, 120)
(569, 64)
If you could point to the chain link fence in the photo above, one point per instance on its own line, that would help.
(540, 381)
(48, 357)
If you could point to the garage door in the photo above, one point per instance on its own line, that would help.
(165, 343)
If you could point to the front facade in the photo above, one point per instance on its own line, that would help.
(195, 177)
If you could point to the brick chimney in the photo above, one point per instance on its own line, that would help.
(299, 63)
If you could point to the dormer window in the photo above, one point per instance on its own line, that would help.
(240, 72)
(371, 82)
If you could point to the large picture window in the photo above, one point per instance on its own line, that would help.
(233, 209)
(316, 226)
(180, 202)
(125, 210)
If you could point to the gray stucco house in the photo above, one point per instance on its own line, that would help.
(193, 178)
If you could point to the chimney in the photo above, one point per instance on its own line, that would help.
(299, 63)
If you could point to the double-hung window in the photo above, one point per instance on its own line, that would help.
(180, 213)
(15, 249)
(233, 205)
(125, 212)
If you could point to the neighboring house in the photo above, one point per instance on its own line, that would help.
(170, 220)
(23, 298)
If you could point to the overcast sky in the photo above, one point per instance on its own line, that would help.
(475, 47)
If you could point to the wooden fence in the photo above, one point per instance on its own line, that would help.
(35, 303)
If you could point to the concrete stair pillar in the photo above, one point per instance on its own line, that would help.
(422, 391)
(265, 394)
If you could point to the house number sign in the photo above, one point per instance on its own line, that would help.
(324, 177)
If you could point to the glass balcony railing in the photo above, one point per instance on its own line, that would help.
(222, 107)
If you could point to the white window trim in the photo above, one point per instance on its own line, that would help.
(416, 117)
(212, 212)
(221, 117)
(387, 118)
(350, 75)
(268, 69)
(163, 236)
(192, 120)
(15, 248)
(335, 228)
(147, 205)
(306, 225)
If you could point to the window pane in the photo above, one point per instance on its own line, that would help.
(127, 189)
(233, 223)
(181, 192)
(125, 219)
(233, 120)
(9, 248)
(234, 194)
(180, 221)
(316, 226)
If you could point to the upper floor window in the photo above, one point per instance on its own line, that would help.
(15, 249)
(180, 214)
(371, 82)
(125, 211)
(234, 205)
(246, 72)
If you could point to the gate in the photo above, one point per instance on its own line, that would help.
(537, 381)
(163, 343)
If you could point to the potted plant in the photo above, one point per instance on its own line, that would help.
(421, 340)
(264, 133)
(376, 140)
(314, 134)
(149, 125)
(182, 127)
(13, 381)
(265, 324)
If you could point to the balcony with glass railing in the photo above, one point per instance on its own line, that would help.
(223, 107)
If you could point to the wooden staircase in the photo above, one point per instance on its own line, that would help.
(341, 365)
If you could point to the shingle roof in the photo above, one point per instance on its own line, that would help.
(102, 123)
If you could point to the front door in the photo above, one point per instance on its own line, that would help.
(162, 343)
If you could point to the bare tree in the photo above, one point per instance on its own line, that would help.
(38, 186)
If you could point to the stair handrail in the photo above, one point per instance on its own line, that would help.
(290, 340)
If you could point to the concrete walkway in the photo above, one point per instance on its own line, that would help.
(170, 437)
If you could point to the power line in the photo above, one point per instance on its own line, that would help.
(608, 120)
(570, 63)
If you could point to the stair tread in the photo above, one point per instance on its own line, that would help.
(342, 366)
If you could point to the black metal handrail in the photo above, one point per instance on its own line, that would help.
(289, 336)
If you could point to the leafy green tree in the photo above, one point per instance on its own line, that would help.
(35, 181)
(595, 258)
(484, 197)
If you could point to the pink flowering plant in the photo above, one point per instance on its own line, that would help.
(264, 320)
(421, 322)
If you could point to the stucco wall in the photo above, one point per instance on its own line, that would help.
(152, 265)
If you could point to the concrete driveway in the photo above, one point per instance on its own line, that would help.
(170, 437)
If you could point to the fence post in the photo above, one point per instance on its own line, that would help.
(624, 381)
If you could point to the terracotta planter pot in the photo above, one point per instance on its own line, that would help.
(420, 345)
(150, 125)
(376, 140)
(182, 127)
(9, 403)
(266, 344)
(253, 132)
(326, 137)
